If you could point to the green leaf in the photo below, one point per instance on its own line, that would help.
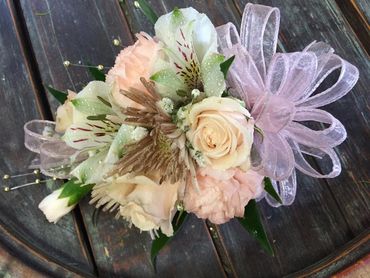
(252, 223)
(96, 73)
(225, 66)
(147, 10)
(159, 242)
(74, 191)
(59, 95)
(271, 190)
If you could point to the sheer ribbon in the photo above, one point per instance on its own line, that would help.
(281, 90)
(56, 158)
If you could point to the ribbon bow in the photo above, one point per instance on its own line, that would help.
(281, 90)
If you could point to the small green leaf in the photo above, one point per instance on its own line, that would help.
(225, 66)
(252, 223)
(59, 95)
(159, 242)
(74, 191)
(96, 73)
(147, 10)
(271, 190)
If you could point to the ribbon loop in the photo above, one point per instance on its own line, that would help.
(37, 132)
(56, 158)
(259, 34)
(286, 189)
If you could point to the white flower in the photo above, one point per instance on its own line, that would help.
(189, 58)
(97, 129)
(195, 93)
(55, 208)
(141, 200)
(166, 104)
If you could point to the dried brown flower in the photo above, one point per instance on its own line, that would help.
(163, 149)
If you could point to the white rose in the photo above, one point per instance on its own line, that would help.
(64, 117)
(142, 201)
(222, 130)
(55, 208)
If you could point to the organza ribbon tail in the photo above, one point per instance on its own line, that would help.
(54, 158)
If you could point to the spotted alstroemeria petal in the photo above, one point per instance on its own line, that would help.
(167, 83)
(213, 78)
(90, 135)
(93, 169)
(93, 99)
(188, 37)
(204, 36)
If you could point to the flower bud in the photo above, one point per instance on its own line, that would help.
(54, 207)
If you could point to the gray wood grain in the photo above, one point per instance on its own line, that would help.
(357, 13)
(19, 214)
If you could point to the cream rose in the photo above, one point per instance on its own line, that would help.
(64, 117)
(142, 201)
(132, 63)
(222, 195)
(221, 131)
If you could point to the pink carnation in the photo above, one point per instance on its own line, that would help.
(222, 195)
(132, 63)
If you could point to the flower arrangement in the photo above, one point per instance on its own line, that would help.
(196, 119)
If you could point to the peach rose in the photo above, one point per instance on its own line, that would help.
(221, 131)
(222, 195)
(64, 117)
(131, 64)
(142, 201)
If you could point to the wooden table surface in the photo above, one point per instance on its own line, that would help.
(323, 232)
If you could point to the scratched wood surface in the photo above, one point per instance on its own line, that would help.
(326, 229)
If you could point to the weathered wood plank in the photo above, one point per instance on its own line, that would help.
(87, 36)
(357, 13)
(23, 226)
(343, 257)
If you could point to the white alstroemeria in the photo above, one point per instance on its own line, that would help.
(97, 129)
(190, 59)
(54, 207)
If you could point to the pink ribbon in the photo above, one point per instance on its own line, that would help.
(56, 158)
(281, 90)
